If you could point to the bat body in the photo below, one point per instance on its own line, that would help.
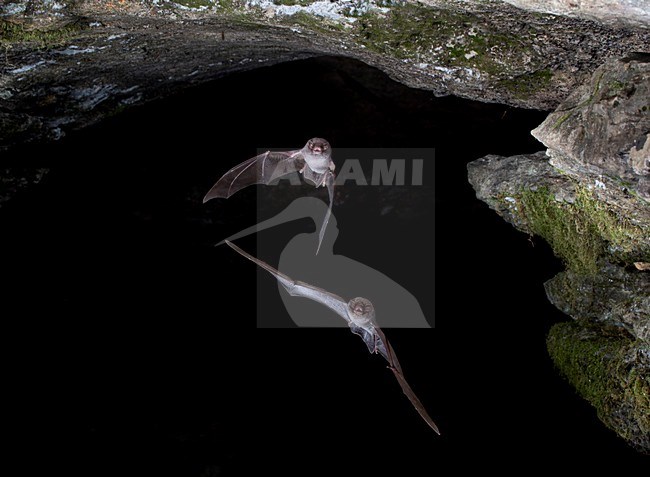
(313, 161)
(359, 314)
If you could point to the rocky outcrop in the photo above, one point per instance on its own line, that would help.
(602, 130)
(585, 198)
(613, 297)
(499, 182)
(68, 64)
(615, 12)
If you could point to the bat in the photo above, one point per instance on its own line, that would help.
(359, 314)
(313, 161)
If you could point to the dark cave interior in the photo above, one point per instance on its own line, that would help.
(128, 342)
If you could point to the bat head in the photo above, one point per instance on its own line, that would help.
(317, 145)
(361, 311)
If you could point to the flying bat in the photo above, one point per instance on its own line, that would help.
(359, 313)
(314, 162)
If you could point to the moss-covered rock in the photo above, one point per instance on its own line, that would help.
(611, 371)
(584, 231)
(589, 213)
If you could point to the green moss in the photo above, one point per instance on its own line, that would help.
(582, 232)
(586, 363)
(196, 3)
(596, 364)
(639, 393)
(615, 86)
(447, 37)
(523, 86)
(590, 99)
(408, 30)
(562, 119)
(565, 228)
(13, 33)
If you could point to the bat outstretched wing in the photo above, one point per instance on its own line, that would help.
(396, 368)
(373, 336)
(260, 169)
(298, 288)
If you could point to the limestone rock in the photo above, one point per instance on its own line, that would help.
(616, 12)
(603, 128)
(499, 181)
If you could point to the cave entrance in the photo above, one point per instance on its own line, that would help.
(116, 241)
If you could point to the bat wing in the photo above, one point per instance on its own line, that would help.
(298, 288)
(396, 368)
(373, 336)
(329, 182)
(260, 169)
(369, 338)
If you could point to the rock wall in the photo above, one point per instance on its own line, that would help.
(585, 196)
(68, 64)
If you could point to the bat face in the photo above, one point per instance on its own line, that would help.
(318, 145)
(317, 153)
(361, 312)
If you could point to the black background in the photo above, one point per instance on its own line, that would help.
(128, 350)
